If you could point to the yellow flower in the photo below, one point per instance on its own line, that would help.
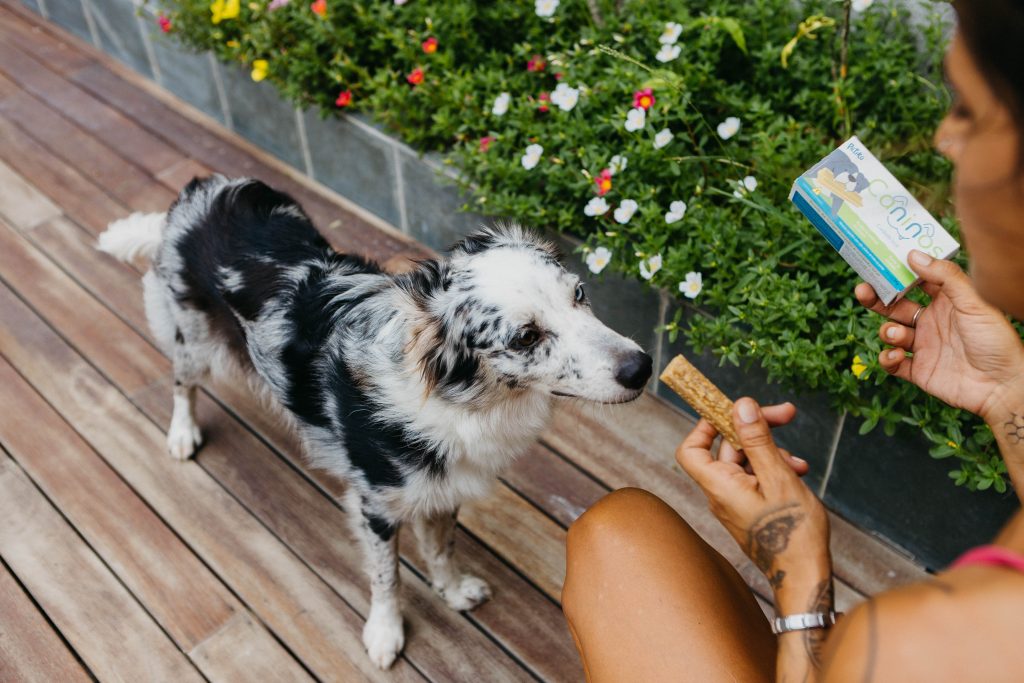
(224, 9)
(858, 368)
(952, 444)
(233, 43)
(259, 69)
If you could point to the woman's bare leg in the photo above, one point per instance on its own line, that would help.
(648, 600)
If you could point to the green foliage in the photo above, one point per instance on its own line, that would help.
(774, 294)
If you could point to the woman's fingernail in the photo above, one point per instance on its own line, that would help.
(919, 258)
(891, 332)
(747, 410)
(894, 355)
(798, 459)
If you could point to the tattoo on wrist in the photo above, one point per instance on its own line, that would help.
(769, 536)
(1014, 428)
(814, 639)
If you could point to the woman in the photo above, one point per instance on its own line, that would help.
(648, 600)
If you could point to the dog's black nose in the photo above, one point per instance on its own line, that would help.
(634, 370)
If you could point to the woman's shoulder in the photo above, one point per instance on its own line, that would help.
(936, 630)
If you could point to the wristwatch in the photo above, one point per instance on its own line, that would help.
(802, 622)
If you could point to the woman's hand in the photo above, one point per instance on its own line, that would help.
(964, 350)
(764, 505)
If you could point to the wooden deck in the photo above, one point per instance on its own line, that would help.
(117, 562)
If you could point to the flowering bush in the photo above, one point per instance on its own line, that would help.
(667, 135)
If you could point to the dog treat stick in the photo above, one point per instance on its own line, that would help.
(707, 399)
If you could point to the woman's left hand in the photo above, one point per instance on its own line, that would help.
(775, 518)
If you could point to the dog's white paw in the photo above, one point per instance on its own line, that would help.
(383, 637)
(465, 593)
(183, 439)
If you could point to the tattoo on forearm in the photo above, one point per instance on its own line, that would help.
(814, 639)
(769, 536)
(1014, 428)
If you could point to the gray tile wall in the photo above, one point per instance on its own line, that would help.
(885, 484)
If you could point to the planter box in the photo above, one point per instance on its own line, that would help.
(889, 486)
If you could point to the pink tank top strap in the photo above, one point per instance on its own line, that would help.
(990, 556)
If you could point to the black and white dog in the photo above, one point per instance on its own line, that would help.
(416, 389)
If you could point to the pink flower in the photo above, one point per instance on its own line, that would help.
(536, 63)
(558, 76)
(604, 182)
(277, 4)
(643, 99)
(485, 142)
(344, 98)
(165, 23)
(430, 45)
(415, 76)
(544, 99)
(319, 8)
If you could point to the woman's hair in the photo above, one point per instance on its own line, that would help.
(994, 33)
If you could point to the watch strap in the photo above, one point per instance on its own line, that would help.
(803, 621)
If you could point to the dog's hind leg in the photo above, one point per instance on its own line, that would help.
(383, 634)
(436, 536)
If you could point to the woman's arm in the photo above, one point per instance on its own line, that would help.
(777, 521)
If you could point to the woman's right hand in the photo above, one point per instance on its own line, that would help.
(964, 350)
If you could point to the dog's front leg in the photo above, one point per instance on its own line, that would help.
(436, 536)
(383, 635)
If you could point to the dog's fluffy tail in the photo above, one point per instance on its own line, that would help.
(138, 234)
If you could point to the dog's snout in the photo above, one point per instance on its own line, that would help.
(634, 370)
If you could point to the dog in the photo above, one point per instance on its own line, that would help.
(416, 389)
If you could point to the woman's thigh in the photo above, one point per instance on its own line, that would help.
(648, 600)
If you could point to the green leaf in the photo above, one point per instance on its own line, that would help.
(734, 29)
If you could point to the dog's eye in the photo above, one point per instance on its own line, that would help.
(525, 339)
(581, 294)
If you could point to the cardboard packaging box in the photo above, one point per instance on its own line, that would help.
(870, 218)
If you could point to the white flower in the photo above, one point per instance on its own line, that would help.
(401, 2)
(635, 119)
(625, 211)
(745, 186)
(650, 266)
(692, 285)
(663, 137)
(671, 33)
(676, 211)
(860, 5)
(618, 163)
(667, 53)
(728, 128)
(596, 207)
(565, 97)
(598, 259)
(532, 156)
(545, 8)
(501, 103)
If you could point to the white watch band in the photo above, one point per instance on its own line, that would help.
(802, 622)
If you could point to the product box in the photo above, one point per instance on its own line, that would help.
(870, 218)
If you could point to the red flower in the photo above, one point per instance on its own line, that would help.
(643, 99)
(604, 182)
(319, 8)
(430, 45)
(558, 76)
(544, 99)
(415, 77)
(344, 98)
(536, 63)
(485, 142)
(165, 23)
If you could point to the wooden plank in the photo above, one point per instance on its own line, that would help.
(122, 179)
(30, 71)
(76, 195)
(30, 651)
(85, 323)
(553, 484)
(61, 50)
(99, 618)
(180, 593)
(302, 611)
(21, 204)
(244, 651)
(178, 175)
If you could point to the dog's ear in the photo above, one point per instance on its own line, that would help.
(503, 235)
